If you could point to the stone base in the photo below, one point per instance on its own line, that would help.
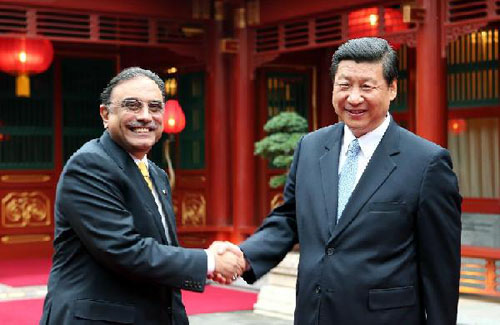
(277, 297)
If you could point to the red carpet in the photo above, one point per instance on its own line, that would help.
(27, 272)
(21, 312)
(213, 300)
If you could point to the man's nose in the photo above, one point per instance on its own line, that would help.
(355, 97)
(144, 114)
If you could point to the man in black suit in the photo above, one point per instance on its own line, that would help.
(117, 258)
(375, 208)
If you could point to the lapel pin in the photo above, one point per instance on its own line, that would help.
(164, 192)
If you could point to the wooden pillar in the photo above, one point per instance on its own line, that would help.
(431, 109)
(244, 161)
(218, 135)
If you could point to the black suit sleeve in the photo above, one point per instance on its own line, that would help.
(91, 201)
(438, 235)
(277, 234)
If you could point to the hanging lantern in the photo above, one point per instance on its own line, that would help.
(457, 126)
(23, 56)
(174, 119)
(366, 22)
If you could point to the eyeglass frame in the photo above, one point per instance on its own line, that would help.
(139, 105)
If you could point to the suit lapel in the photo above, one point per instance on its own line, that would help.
(328, 164)
(380, 166)
(146, 197)
(163, 192)
(127, 164)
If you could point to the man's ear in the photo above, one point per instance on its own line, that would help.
(104, 111)
(393, 89)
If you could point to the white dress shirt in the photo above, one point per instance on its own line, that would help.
(210, 257)
(368, 143)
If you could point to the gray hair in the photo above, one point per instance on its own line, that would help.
(127, 74)
(368, 49)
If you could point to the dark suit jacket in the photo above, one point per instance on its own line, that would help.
(393, 258)
(112, 263)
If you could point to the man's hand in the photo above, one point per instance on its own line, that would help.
(229, 262)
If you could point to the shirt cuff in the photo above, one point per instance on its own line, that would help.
(210, 262)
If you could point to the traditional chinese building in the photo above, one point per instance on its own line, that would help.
(233, 64)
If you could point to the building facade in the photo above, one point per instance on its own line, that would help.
(232, 65)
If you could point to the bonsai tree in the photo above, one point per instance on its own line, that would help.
(283, 132)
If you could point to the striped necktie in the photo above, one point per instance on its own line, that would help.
(347, 177)
(145, 173)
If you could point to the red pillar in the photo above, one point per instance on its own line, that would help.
(431, 109)
(244, 161)
(218, 135)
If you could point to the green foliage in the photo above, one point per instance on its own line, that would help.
(286, 122)
(278, 180)
(284, 131)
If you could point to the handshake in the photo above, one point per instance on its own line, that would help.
(229, 262)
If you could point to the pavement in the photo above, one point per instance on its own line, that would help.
(472, 310)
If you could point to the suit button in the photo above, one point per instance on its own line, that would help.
(330, 251)
(318, 289)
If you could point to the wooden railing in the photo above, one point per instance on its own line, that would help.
(480, 271)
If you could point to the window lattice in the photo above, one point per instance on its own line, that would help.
(473, 70)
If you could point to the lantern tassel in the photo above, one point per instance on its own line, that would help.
(23, 85)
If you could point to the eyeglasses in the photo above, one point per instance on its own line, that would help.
(135, 106)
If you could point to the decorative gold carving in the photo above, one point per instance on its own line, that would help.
(277, 200)
(25, 209)
(25, 178)
(194, 209)
(24, 239)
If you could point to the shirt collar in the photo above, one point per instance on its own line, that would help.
(144, 160)
(368, 142)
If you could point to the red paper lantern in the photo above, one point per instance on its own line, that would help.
(457, 126)
(174, 120)
(22, 56)
(366, 22)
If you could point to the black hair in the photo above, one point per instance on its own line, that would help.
(367, 49)
(127, 74)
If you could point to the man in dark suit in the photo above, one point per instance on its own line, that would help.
(375, 208)
(117, 258)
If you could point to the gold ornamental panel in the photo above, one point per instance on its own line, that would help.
(25, 209)
(24, 239)
(277, 200)
(25, 178)
(194, 209)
